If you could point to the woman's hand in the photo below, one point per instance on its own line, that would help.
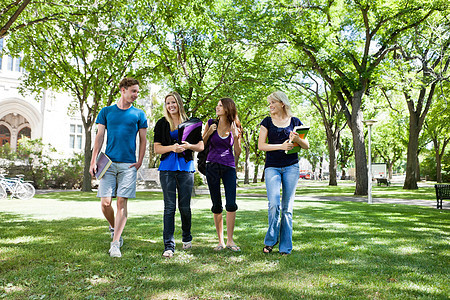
(293, 136)
(177, 148)
(235, 131)
(212, 128)
(186, 145)
(287, 145)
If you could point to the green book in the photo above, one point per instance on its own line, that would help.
(302, 131)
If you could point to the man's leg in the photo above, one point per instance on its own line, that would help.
(121, 217)
(107, 210)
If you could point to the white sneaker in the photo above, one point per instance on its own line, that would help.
(187, 245)
(112, 236)
(114, 251)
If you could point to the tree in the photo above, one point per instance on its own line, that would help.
(345, 42)
(85, 56)
(19, 14)
(387, 141)
(345, 152)
(331, 114)
(422, 62)
(439, 131)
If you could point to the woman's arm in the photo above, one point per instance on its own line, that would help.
(160, 149)
(303, 143)
(208, 131)
(264, 146)
(235, 131)
(194, 147)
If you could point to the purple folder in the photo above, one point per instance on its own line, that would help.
(190, 131)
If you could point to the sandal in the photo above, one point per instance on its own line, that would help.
(234, 248)
(187, 245)
(218, 248)
(284, 253)
(268, 249)
(168, 253)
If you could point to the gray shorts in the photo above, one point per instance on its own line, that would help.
(118, 181)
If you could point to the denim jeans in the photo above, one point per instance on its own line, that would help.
(280, 229)
(215, 172)
(171, 181)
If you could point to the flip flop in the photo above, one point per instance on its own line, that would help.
(218, 248)
(234, 248)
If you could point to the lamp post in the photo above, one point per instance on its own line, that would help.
(369, 124)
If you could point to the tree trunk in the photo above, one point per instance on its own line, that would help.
(438, 161)
(390, 165)
(87, 178)
(411, 157)
(246, 166)
(417, 167)
(255, 174)
(332, 169)
(361, 172)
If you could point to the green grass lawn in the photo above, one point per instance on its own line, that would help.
(304, 188)
(341, 250)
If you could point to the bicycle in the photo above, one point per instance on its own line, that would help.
(16, 187)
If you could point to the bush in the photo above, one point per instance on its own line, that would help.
(198, 180)
(67, 173)
(32, 159)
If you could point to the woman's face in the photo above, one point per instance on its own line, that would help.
(276, 107)
(219, 109)
(171, 105)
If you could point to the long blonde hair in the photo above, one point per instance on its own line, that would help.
(181, 112)
(283, 98)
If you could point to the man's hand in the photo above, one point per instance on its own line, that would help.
(137, 165)
(93, 169)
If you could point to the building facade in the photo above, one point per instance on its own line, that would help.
(36, 116)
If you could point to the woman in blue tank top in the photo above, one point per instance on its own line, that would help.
(224, 150)
(176, 171)
(281, 170)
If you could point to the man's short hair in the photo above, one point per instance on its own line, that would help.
(127, 82)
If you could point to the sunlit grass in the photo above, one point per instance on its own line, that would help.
(341, 250)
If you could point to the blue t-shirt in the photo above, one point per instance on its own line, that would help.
(278, 135)
(122, 126)
(174, 162)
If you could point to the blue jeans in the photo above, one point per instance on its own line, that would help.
(280, 230)
(171, 181)
(215, 172)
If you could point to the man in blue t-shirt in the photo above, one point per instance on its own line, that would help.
(122, 122)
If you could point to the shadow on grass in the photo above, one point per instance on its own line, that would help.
(341, 250)
(92, 196)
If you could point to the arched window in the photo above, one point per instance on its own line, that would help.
(26, 131)
(5, 135)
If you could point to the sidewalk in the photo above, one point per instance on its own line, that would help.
(54, 209)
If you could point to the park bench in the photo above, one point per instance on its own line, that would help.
(381, 181)
(148, 178)
(442, 193)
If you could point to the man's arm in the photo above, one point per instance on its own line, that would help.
(142, 147)
(98, 143)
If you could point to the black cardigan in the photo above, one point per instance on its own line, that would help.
(162, 135)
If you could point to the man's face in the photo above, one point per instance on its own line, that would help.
(130, 94)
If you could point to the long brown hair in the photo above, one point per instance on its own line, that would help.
(181, 112)
(231, 112)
